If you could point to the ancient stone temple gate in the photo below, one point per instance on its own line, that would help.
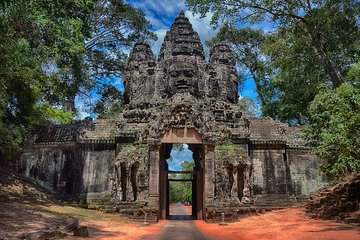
(241, 161)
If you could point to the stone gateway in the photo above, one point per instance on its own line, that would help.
(241, 162)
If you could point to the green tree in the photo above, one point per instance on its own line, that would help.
(53, 51)
(327, 25)
(25, 52)
(182, 191)
(296, 77)
(335, 128)
(111, 103)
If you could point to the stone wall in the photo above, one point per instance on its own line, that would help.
(269, 171)
(305, 171)
(292, 171)
(72, 171)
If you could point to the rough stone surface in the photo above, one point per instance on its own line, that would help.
(178, 98)
(72, 226)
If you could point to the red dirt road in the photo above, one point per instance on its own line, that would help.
(281, 225)
(182, 228)
(288, 224)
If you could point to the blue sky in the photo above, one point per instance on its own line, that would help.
(161, 14)
(178, 157)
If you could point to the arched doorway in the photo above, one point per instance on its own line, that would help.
(194, 176)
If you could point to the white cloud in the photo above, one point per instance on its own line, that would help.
(81, 105)
(202, 25)
(155, 21)
(157, 45)
(159, 12)
(178, 157)
(163, 7)
(264, 26)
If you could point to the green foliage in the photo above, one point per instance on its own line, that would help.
(49, 113)
(231, 152)
(354, 74)
(182, 191)
(111, 103)
(54, 51)
(335, 128)
(296, 79)
(187, 166)
(226, 147)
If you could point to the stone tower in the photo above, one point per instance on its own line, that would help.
(179, 98)
(181, 68)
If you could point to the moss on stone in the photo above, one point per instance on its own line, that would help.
(133, 152)
(231, 152)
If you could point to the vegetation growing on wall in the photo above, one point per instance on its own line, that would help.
(133, 152)
(231, 152)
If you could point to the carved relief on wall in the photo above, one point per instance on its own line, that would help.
(180, 114)
(129, 180)
(233, 176)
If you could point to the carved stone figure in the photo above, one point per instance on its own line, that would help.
(183, 77)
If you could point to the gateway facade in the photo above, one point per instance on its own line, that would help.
(179, 98)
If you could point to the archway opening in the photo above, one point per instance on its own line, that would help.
(181, 169)
(181, 181)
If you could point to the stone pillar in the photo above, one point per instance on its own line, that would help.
(129, 186)
(234, 188)
(209, 172)
(154, 158)
(248, 184)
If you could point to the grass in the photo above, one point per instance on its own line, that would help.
(83, 214)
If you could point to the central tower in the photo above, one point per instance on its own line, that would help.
(181, 69)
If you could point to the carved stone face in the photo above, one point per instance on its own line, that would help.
(183, 77)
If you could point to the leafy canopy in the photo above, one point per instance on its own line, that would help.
(52, 52)
(335, 128)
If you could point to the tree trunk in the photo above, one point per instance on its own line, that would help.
(329, 66)
(257, 85)
(70, 104)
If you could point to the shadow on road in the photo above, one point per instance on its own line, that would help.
(181, 217)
